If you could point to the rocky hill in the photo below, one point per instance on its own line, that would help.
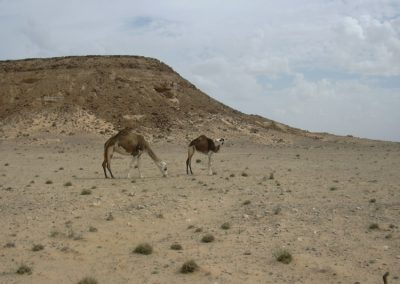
(100, 94)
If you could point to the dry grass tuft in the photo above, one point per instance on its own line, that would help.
(226, 226)
(24, 269)
(37, 247)
(143, 248)
(88, 280)
(189, 267)
(207, 238)
(282, 255)
(176, 246)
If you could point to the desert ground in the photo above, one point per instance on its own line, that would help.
(334, 206)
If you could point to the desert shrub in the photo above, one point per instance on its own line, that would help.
(373, 226)
(226, 226)
(189, 267)
(24, 269)
(37, 247)
(55, 233)
(277, 210)
(92, 229)
(86, 192)
(109, 217)
(207, 238)
(247, 202)
(88, 280)
(176, 246)
(144, 248)
(9, 245)
(282, 255)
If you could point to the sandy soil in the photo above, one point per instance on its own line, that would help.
(315, 199)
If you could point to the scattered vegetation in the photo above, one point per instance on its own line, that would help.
(9, 245)
(271, 176)
(143, 248)
(198, 161)
(88, 280)
(24, 269)
(244, 174)
(73, 235)
(277, 210)
(109, 217)
(55, 233)
(247, 202)
(37, 247)
(49, 182)
(372, 200)
(282, 255)
(68, 183)
(333, 188)
(189, 267)
(232, 175)
(86, 192)
(92, 229)
(226, 226)
(374, 226)
(198, 230)
(176, 246)
(207, 238)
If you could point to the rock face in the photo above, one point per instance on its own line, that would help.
(104, 93)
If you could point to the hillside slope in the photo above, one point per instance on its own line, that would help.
(100, 94)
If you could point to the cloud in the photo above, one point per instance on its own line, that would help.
(367, 46)
(321, 65)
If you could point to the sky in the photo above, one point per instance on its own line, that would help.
(319, 65)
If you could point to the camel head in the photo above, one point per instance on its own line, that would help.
(220, 141)
(163, 168)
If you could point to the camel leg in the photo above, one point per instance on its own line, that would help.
(109, 154)
(130, 166)
(139, 163)
(210, 172)
(191, 151)
(104, 168)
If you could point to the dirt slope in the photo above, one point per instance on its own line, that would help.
(99, 94)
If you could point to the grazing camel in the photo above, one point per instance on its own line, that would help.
(126, 142)
(204, 145)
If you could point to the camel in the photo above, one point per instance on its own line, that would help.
(126, 142)
(206, 146)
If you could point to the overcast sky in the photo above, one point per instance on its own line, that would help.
(320, 65)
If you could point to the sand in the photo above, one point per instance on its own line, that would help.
(333, 206)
